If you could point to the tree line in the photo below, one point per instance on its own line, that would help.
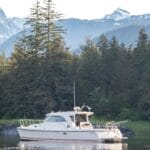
(38, 78)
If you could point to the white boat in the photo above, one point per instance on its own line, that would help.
(71, 125)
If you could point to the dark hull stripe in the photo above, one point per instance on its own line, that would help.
(63, 130)
(39, 139)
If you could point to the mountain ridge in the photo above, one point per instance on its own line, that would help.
(118, 14)
(78, 30)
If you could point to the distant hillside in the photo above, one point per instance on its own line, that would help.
(8, 45)
(127, 35)
(9, 26)
(120, 24)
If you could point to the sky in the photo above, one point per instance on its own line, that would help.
(82, 9)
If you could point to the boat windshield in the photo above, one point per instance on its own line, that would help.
(55, 119)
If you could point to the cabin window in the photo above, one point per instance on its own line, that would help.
(55, 119)
(80, 118)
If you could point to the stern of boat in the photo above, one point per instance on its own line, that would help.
(110, 135)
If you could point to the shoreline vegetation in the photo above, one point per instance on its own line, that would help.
(140, 128)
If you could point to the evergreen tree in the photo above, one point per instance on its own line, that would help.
(4, 68)
(141, 64)
(88, 71)
(103, 44)
(114, 71)
(140, 59)
(34, 38)
(29, 83)
(49, 28)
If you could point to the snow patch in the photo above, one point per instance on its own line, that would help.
(118, 14)
(117, 24)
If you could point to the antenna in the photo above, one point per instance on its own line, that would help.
(74, 97)
(74, 93)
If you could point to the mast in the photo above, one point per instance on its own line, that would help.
(74, 93)
(74, 98)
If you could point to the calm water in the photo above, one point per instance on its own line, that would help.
(13, 143)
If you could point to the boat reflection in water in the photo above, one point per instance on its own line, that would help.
(62, 145)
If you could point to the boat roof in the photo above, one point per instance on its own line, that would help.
(76, 110)
(70, 113)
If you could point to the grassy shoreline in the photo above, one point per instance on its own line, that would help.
(140, 128)
(4, 122)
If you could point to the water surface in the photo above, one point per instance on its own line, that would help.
(13, 143)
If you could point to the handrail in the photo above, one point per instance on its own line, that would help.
(28, 122)
(115, 124)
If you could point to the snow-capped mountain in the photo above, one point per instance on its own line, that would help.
(78, 30)
(118, 14)
(8, 27)
(18, 22)
(119, 23)
(2, 14)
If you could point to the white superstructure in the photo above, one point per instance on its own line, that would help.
(70, 125)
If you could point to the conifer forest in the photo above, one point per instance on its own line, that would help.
(111, 78)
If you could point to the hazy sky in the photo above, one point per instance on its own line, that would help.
(84, 9)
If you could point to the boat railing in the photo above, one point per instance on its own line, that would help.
(113, 124)
(27, 122)
(97, 125)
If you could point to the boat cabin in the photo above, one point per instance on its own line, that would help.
(70, 119)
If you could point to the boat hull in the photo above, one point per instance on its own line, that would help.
(75, 135)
